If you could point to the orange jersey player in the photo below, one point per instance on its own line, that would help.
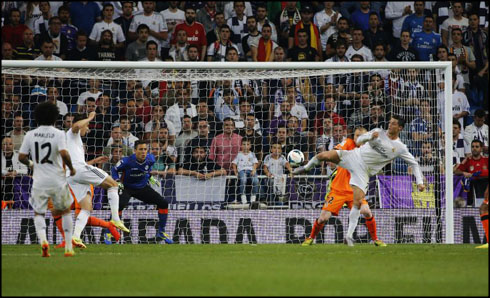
(484, 217)
(92, 220)
(341, 193)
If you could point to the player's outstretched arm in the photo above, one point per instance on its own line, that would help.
(417, 172)
(79, 124)
(366, 137)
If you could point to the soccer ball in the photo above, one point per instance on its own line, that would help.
(295, 158)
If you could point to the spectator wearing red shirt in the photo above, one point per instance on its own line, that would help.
(195, 32)
(14, 32)
(327, 113)
(475, 168)
(225, 146)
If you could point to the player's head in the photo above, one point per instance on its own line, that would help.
(140, 150)
(479, 118)
(396, 124)
(83, 129)
(476, 148)
(358, 131)
(7, 146)
(46, 113)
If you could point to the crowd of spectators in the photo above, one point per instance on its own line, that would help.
(191, 126)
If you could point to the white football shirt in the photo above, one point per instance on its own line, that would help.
(155, 22)
(379, 152)
(44, 144)
(74, 145)
(99, 27)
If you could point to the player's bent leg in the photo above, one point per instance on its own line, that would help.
(150, 196)
(81, 220)
(329, 156)
(113, 197)
(371, 224)
(317, 227)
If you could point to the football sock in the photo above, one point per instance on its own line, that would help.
(97, 222)
(80, 222)
(113, 197)
(162, 216)
(353, 217)
(67, 227)
(40, 225)
(371, 226)
(59, 225)
(312, 163)
(484, 221)
(316, 228)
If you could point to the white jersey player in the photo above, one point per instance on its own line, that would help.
(87, 175)
(47, 145)
(378, 148)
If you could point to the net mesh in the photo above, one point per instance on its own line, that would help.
(179, 111)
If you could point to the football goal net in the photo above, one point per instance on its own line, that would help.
(221, 134)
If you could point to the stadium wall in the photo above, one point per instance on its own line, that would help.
(256, 226)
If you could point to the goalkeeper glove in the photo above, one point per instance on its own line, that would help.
(154, 181)
(120, 185)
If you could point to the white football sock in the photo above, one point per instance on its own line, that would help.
(113, 197)
(81, 222)
(67, 222)
(353, 218)
(40, 224)
(244, 199)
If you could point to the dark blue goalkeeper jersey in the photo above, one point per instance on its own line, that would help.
(135, 174)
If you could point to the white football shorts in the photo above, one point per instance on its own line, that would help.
(60, 196)
(352, 161)
(87, 174)
(79, 191)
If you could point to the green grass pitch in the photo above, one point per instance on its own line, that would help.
(243, 270)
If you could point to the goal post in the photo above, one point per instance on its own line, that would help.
(314, 72)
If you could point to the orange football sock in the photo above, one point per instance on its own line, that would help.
(371, 226)
(59, 225)
(484, 221)
(97, 222)
(316, 228)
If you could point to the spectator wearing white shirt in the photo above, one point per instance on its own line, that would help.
(108, 24)
(358, 47)
(238, 24)
(217, 50)
(230, 10)
(478, 130)
(326, 21)
(182, 107)
(461, 107)
(397, 11)
(460, 148)
(154, 21)
(53, 95)
(93, 91)
(172, 16)
(456, 21)
(40, 25)
(47, 49)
